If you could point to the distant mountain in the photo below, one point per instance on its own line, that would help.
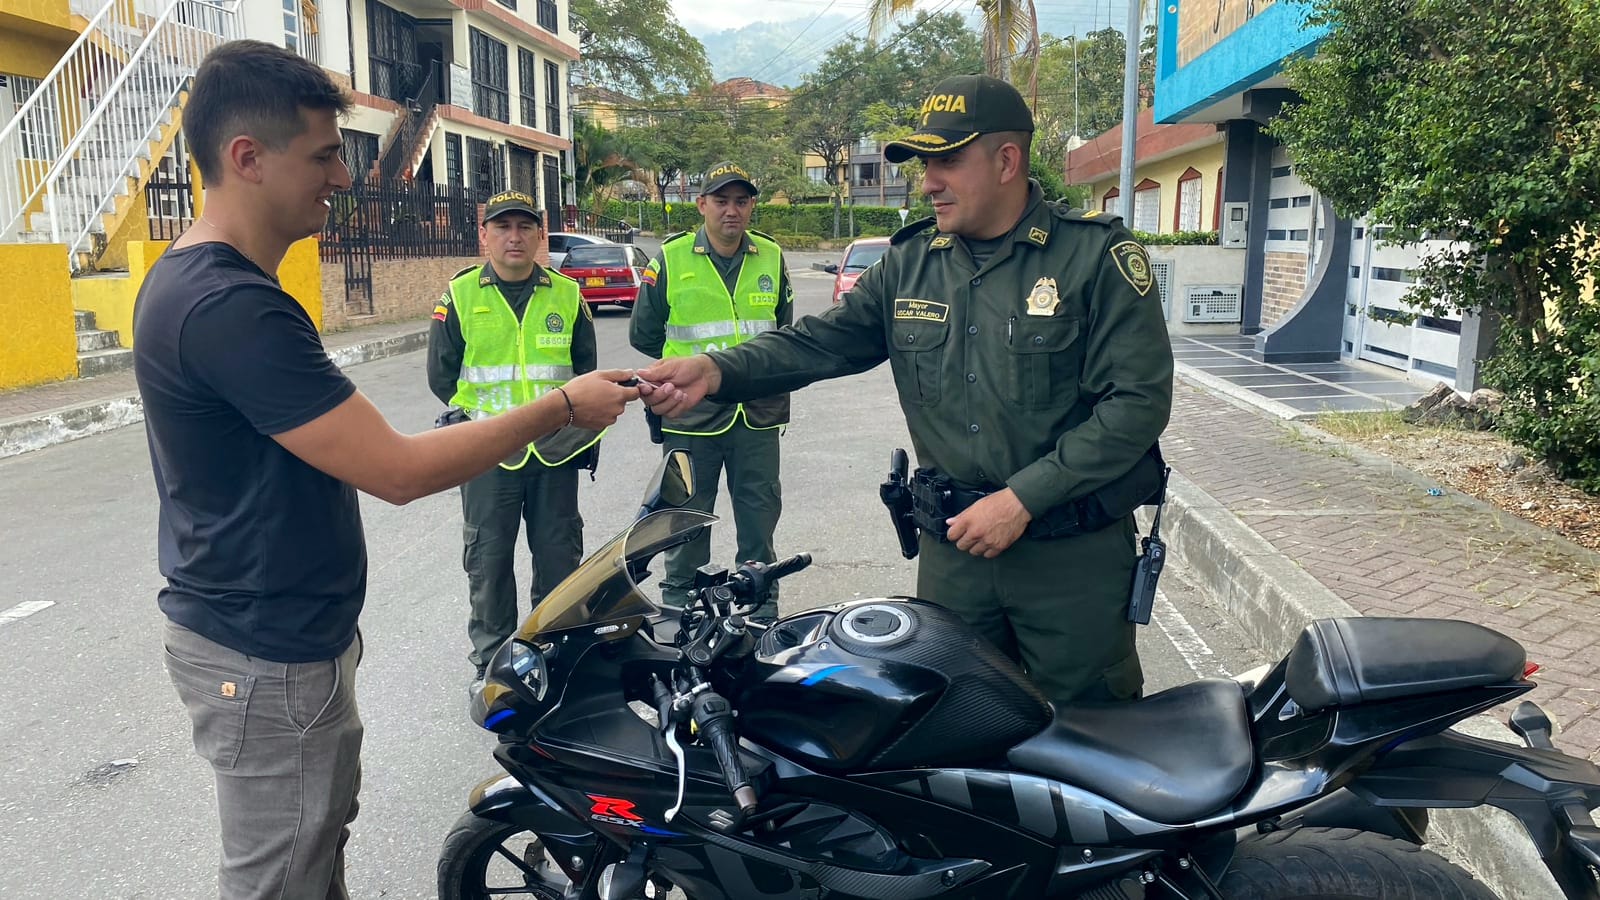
(783, 53)
(758, 50)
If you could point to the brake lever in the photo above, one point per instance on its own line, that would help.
(671, 729)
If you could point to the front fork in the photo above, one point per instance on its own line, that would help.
(1549, 792)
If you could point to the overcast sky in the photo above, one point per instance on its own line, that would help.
(705, 16)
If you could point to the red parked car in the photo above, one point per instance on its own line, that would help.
(857, 257)
(606, 273)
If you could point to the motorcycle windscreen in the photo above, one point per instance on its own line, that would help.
(602, 589)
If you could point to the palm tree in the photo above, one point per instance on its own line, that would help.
(1010, 30)
(600, 160)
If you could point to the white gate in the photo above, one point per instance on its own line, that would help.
(1375, 322)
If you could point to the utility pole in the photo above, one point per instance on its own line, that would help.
(1130, 109)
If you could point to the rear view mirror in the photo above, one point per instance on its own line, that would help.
(673, 484)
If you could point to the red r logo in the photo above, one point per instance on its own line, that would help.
(611, 806)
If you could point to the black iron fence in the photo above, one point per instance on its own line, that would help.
(586, 222)
(396, 220)
(419, 108)
(170, 205)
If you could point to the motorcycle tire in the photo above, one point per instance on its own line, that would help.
(1343, 864)
(476, 844)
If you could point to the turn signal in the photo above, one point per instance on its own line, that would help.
(1529, 669)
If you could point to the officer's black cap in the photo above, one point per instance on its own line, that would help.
(958, 110)
(511, 201)
(725, 173)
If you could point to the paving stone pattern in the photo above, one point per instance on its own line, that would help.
(1372, 534)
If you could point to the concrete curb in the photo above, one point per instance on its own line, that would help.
(58, 426)
(1273, 599)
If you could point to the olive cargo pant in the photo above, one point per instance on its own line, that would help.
(751, 458)
(494, 507)
(1059, 607)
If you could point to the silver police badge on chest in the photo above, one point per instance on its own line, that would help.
(1043, 299)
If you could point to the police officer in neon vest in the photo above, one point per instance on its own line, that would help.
(713, 289)
(504, 334)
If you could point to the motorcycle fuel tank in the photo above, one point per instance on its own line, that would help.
(883, 684)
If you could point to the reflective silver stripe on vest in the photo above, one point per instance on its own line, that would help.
(701, 332)
(487, 374)
(756, 326)
(548, 373)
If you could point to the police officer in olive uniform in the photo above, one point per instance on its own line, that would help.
(504, 334)
(710, 290)
(1031, 359)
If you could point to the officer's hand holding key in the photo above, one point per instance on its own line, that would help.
(597, 399)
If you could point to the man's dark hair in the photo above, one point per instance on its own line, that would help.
(257, 89)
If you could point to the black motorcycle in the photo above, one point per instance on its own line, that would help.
(878, 749)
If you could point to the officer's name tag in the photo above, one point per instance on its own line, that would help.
(921, 310)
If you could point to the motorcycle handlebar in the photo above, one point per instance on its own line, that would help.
(786, 567)
(714, 716)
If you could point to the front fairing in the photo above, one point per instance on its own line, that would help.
(598, 603)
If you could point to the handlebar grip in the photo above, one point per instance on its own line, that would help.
(715, 718)
(786, 567)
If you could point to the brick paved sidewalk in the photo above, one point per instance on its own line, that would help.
(1369, 531)
(27, 402)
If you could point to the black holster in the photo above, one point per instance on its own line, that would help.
(896, 495)
(653, 422)
(452, 416)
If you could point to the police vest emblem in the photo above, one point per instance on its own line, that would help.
(765, 283)
(553, 323)
(1043, 299)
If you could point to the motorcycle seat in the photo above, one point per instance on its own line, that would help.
(1343, 662)
(1173, 757)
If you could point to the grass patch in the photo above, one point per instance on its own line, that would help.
(1362, 426)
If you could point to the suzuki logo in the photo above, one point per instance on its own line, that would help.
(721, 818)
(614, 808)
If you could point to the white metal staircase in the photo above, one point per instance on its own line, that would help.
(84, 138)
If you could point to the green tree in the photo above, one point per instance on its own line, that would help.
(600, 160)
(1010, 29)
(827, 114)
(637, 47)
(1477, 121)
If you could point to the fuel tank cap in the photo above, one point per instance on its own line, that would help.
(875, 623)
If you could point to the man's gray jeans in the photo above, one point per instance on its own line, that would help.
(285, 742)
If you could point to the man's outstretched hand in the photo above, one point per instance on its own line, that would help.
(598, 398)
(676, 385)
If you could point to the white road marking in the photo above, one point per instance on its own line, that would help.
(1188, 642)
(24, 610)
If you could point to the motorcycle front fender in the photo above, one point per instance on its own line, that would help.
(505, 799)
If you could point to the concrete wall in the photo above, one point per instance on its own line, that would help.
(33, 36)
(37, 344)
(401, 289)
(1198, 265)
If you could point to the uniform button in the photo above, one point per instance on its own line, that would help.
(973, 427)
(911, 339)
(972, 329)
(977, 281)
(971, 377)
(1038, 339)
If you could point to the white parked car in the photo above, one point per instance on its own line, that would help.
(562, 241)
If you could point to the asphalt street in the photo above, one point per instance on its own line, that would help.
(100, 793)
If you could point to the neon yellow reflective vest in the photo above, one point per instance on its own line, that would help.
(703, 316)
(508, 363)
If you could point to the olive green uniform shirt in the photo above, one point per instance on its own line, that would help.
(1053, 402)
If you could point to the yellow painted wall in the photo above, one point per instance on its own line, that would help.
(33, 35)
(37, 343)
(135, 226)
(1206, 160)
(300, 273)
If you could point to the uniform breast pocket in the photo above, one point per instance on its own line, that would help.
(917, 355)
(1046, 361)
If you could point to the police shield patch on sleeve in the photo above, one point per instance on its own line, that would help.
(1134, 266)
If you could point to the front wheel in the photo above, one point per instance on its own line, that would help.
(483, 859)
(1343, 864)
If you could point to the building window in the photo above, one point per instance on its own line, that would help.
(491, 94)
(552, 97)
(301, 28)
(1187, 216)
(392, 45)
(817, 174)
(1108, 203)
(452, 159)
(527, 87)
(1147, 206)
(486, 166)
(547, 16)
(508, 4)
(867, 174)
(40, 130)
(360, 152)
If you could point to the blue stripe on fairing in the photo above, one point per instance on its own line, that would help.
(498, 717)
(820, 674)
